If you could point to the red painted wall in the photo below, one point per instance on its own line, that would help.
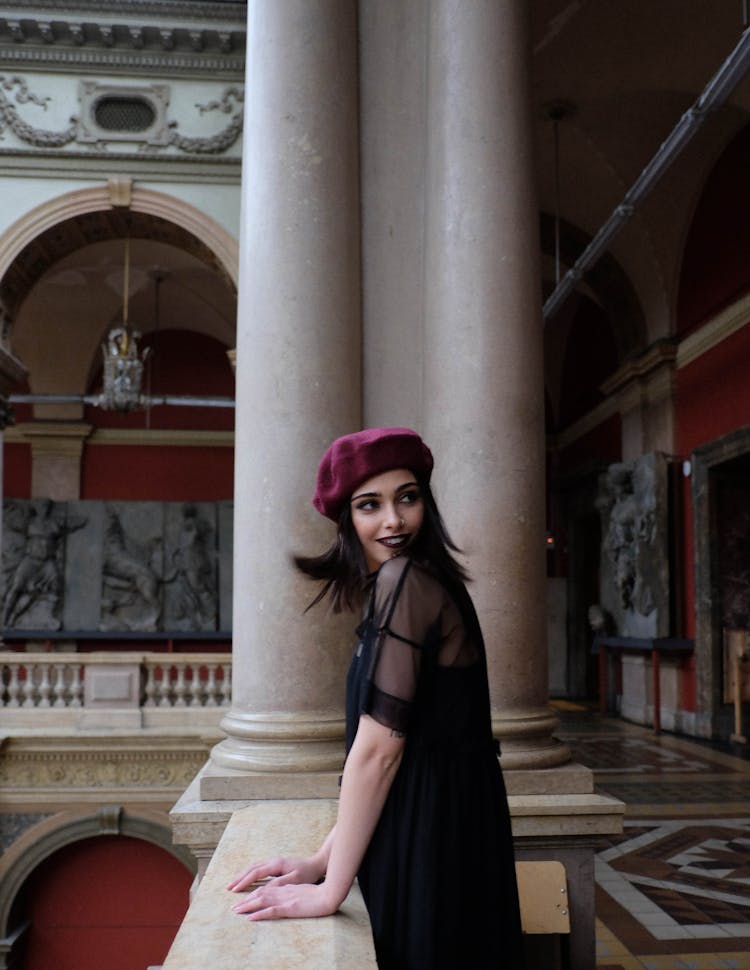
(109, 902)
(16, 471)
(713, 398)
(147, 472)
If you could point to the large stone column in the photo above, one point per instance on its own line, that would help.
(298, 385)
(483, 364)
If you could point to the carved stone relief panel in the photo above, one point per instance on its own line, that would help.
(190, 587)
(117, 566)
(33, 557)
(634, 567)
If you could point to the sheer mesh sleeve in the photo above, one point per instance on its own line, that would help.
(407, 606)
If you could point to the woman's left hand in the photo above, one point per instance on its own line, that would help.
(287, 902)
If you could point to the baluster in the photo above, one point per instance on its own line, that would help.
(226, 685)
(210, 685)
(14, 686)
(150, 689)
(45, 687)
(76, 686)
(27, 685)
(196, 687)
(58, 689)
(163, 687)
(180, 687)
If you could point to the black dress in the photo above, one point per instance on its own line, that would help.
(438, 877)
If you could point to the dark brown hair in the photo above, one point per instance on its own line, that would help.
(343, 568)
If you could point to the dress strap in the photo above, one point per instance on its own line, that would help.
(394, 598)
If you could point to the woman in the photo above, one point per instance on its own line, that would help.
(423, 818)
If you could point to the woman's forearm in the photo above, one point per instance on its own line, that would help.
(369, 771)
(324, 852)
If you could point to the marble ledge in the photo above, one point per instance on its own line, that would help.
(222, 784)
(565, 816)
(213, 936)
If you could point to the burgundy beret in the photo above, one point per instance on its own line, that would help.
(353, 459)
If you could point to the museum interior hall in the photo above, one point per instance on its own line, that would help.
(233, 231)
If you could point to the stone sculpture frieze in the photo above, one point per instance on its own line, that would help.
(131, 579)
(34, 536)
(139, 567)
(634, 565)
(190, 594)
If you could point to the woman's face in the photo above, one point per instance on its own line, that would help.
(387, 513)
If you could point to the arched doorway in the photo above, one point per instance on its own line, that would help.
(64, 290)
(111, 901)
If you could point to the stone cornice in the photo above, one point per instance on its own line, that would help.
(86, 60)
(175, 37)
(195, 10)
(639, 368)
(72, 770)
(154, 168)
(718, 328)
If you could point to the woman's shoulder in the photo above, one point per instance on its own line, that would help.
(407, 573)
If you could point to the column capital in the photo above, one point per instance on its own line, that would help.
(56, 437)
(56, 450)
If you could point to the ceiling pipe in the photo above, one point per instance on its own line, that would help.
(718, 89)
(179, 400)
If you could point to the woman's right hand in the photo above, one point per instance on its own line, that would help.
(282, 871)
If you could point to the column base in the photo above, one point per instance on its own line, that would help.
(280, 744)
(526, 740)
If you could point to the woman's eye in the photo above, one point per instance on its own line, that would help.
(367, 506)
(410, 497)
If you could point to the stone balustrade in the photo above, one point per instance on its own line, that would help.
(118, 688)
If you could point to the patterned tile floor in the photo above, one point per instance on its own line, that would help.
(673, 892)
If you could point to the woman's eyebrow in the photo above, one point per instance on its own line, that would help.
(365, 495)
(400, 488)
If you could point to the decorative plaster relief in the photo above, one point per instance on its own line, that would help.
(18, 91)
(126, 769)
(152, 100)
(116, 114)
